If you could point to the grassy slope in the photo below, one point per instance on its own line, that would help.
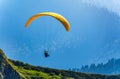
(32, 72)
(36, 72)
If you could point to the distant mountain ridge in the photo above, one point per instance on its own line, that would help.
(11, 69)
(110, 68)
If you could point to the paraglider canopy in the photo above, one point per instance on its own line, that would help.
(52, 14)
(57, 16)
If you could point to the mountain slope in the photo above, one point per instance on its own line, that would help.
(10, 69)
(7, 69)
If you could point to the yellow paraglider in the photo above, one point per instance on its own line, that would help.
(55, 15)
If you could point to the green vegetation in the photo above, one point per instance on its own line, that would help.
(28, 71)
(37, 72)
(32, 72)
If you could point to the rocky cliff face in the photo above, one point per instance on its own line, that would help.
(6, 69)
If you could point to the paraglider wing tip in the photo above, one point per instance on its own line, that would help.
(68, 29)
(26, 25)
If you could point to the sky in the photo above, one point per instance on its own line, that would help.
(93, 37)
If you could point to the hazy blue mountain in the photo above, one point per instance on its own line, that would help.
(111, 67)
